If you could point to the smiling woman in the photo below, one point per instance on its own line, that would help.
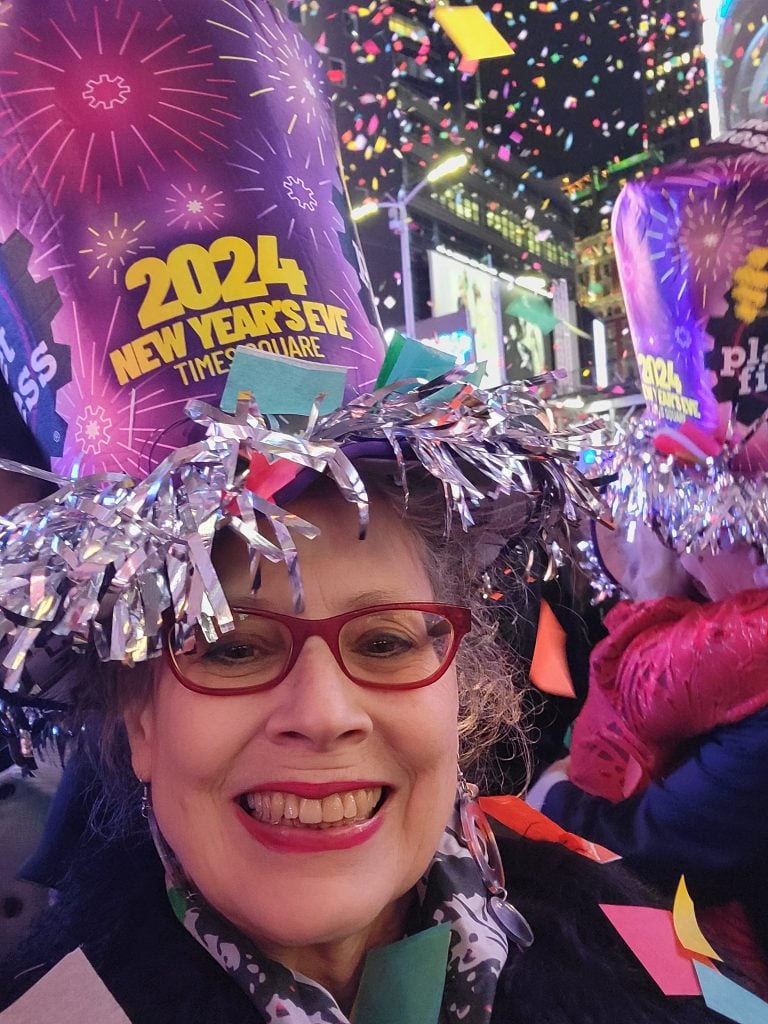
(273, 609)
(300, 782)
(300, 747)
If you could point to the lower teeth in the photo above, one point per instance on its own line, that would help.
(295, 823)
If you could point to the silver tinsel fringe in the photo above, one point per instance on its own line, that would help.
(109, 561)
(696, 507)
(604, 587)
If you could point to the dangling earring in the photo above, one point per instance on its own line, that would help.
(145, 801)
(481, 843)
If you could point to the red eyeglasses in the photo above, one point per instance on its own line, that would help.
(389, 646)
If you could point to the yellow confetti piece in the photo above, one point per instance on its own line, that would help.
(471, 32)
(689, 935)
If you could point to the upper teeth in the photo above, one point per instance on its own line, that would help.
(288, 809)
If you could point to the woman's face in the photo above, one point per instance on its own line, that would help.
(317, 732)
(726, 572)
(644, 567)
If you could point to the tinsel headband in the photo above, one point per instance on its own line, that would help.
(691, 506)
(108, 560)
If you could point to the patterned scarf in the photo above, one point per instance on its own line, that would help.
(450, 892)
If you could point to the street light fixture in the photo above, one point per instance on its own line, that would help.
(447, 167)
(366, 210)
(398, 221)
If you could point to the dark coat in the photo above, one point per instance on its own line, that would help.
(706, 820)
(577, 971)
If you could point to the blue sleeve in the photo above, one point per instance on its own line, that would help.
(708, 819)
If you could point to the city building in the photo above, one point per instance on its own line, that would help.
(599, 297)
(673, 79)
(670, 37)
(405, 101)
(736, 47)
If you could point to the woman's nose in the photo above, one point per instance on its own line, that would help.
(318, 705)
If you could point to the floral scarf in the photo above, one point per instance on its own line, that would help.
(450, 892)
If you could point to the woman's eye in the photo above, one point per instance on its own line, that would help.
(236, 652)
(383, 645)
(240, 651)
(230, 652)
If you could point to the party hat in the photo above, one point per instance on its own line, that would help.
(692, 249)
(170, 188)
(173, 219)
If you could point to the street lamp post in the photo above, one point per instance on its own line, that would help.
(398, 221)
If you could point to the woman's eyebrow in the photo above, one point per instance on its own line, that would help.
(364, 600)
(374, 597)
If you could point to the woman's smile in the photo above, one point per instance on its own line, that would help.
(316, 833)
(287, 806)
(313, 817)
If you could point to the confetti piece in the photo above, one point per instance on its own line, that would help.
(650, 935)
(731, 1000)
(687, 928)
(472, 32)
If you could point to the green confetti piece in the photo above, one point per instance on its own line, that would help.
(178, 902)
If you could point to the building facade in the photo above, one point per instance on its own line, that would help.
(674, 76)
(406, 100)
(736, 45)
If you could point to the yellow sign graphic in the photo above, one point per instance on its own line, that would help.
(183, 327)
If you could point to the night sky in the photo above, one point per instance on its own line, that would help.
(569, 96)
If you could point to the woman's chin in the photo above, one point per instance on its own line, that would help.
(310, 918)
(294, 900)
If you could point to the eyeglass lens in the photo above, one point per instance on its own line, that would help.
(396, 647)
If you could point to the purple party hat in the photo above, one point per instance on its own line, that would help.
(170, 188)
(692, 248)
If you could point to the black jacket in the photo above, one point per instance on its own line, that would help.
(576, 972)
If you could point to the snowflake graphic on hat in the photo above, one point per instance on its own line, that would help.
(300, 193)
(92, 430)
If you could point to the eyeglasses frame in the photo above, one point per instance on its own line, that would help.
(329, 630)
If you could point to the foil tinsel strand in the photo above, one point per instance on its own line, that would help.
(109, 559)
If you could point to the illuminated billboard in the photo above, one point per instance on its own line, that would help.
(449, 333)
(461, 285)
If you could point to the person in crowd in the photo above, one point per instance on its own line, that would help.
(668, 754)
(275, 625)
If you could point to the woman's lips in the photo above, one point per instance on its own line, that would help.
(283, 820)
